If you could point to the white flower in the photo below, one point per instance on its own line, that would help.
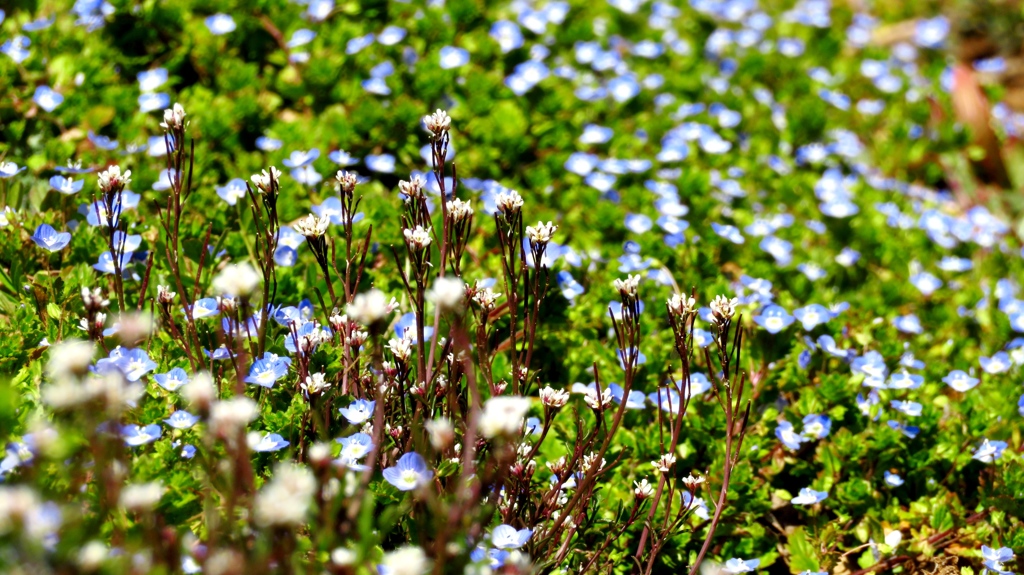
(265, 181)
(597, 398)
(692, 480)
(509, 201)
(92, 555)
(346, 181)
(485, 298)
(438, 123)
(315, 383)
(229, 416)
(643, 489)
(541, 233)
(408, 560)
(448, 294)
(552, 397)
(237, 280)
(112, 180)
(459, 210)
(628, 287)
(164, 294)
(418, 238)
(174, 118)
(69, 358)
(401, 348)
(285, 500)
(141, 496)
(94, 299)
(503, 415)
(368, 308)
(723, 308)
(413, 189)
(664, 462)
(680, 304)
(442, 432)
(312, 226)
(199, 392)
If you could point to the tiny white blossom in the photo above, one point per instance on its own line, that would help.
(141, 497)
(174, 118)
(509, 201)
(664, 463)
(486, 298)
(311, 226)
(418, 238)
(680, 304)
(448, 294)
(315, 384)
(552, 397)
(503, 415)
(368, 308)
(239, 279)
(541, 233)
(438, 123)
(628, 287)
(643, 489)
(229, 416)
(346, 181)
(112, 180)
(265, 181)
(413, 189)
(459, 210)
(285, 500)
(723, 308)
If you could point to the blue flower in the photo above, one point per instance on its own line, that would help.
(773, 319)
(893, 479)
(232, 191)
(735, 565)
(50, 239)
(354, 448)
(816, 426)
(812, 315)
(150, 80)
(173, 380)
(205, 307)
(507, 34)
(788, 436)
(808, 496)
(358, 412)
(134, 363)
(8, 169)
(301, 158)
(989, 451)
(47, 99)
(151, 102)
(666, 399)
(308, 336)
(135, 435)
(960, 381)
(910, 408)
(106, 263)
(66, 186)
(994, 558)
(220, 24)
(998, 363)
(931, 33)
(408, 323)
(269, 442)
(391, 35)
(507, 537)
(181, 419)
(452, 57)
(188, 452)
(635, 400)
(268, 144)
(383, 163)
(409, 472)
(904, 380)
(17, 48)
(266, 371)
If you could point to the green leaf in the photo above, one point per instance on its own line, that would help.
(801, 552)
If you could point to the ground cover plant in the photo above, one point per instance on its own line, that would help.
(524, 287)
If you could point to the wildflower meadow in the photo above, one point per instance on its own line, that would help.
(525, 286)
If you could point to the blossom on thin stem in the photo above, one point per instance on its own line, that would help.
(174, 118)
(509, 202)
(438, 123)
(628, 287)
(112, 181)
(412, 189)
(312, 226)
(541, 233)
(680, 304)
(267, 180)
(459, 210)
(554, 398)
(417, 238)
(723, 308)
